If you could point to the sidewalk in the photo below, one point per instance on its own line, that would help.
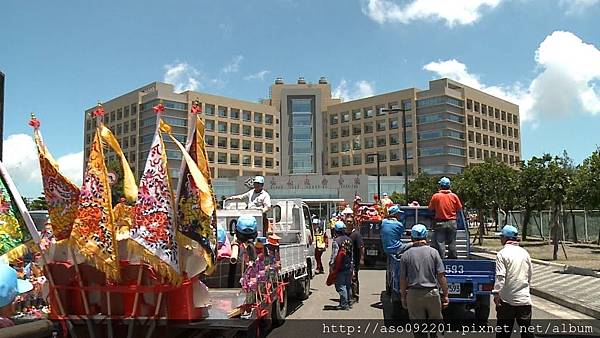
(551, 282)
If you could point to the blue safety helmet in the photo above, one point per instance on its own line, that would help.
(340, 226)
(221, 235)
(418, 231)
(510, 231)
(246, 225)
(259, 179)
(10, 285)
(444, 182)
(394, 210)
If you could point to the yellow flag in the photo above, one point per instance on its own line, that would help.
(129, 188)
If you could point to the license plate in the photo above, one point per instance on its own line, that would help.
(371, 252)
(454, 288)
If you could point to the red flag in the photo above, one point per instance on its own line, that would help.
(99, 111)
(196, 107)
(34, 122)
(159, 108)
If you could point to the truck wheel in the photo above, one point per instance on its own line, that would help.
(482, 308)
(303, 288)
(279, 309)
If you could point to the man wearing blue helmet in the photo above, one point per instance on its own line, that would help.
(421, 271)
(10, 287)
(513, 277)
(391, 232)
(343, 280)
(446, 206)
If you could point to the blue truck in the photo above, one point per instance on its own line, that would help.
(470, 279)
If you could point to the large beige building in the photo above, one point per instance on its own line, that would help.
(301, 130)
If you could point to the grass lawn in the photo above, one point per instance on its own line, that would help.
(580, 255)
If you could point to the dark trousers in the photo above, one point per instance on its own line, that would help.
(318, 254)
(507, 315)
(355, 283)
(445, 233)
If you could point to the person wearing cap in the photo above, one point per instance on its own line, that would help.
(386, 201)
(321, 243)
(358, 254)
(421, 272)
(392, 231)
(257, 198)
(343, 280)
(446, 206)
(513, 278)
(10, 287)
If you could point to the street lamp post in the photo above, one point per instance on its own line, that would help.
(403, 110)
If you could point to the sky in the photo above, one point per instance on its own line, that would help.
(61, 57)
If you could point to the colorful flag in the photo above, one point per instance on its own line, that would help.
(60, 193)
(153, 235)
(17, 231)
(93, 231)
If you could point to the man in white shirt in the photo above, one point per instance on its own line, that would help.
(257, 198)
(513, 278)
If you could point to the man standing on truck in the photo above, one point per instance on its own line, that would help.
(343, 280)
(358, 254)
(257, 198)
(392, 231)
(446, 206)
(513, 277)
(386, 201)
(421, 271)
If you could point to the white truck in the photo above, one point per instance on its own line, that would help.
(290, 220)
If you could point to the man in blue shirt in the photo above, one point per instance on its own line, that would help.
(343, 281)
(392, 231)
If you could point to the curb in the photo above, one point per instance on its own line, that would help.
(539, 261)
(568, 303)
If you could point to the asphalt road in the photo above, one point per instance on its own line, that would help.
(311, 317)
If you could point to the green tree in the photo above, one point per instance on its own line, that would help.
(39, 203)
(530, 189)
(557, 184)
(398, 198)
(422, 188)
(587, 182)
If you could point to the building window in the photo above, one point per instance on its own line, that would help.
(357, 159)
(222, 158)
(478, 138)
(368, 112)
(119, 114)
(222, 142)
(258, 117)
(333, 119)
(234, 159)
(126, 127)
(335, 148)
(133, 109)
(222, 111)
(258, 147)
(345, 160)
(394, 123)
(258, 132)
(333, 134)
(132, 140)
(209, 140)
(470, 136)
(345, 131)
(369, 143)
(234, 143)
(345, 146)
(516, 147)
(246, 145)
(471, 152)
(382, 156)
(433, 101)
(119, 129)
(356, 130)
(394, 139)
(356, 144)
(235, 129)
(381, 141)
(356, 115)
(210, 125)
(269, 162)
(378, 110)
(246, 115)
(469, 104)
(269, 134)
(476, 106)
(211, 156)
(269, 119)
(394, 155)
(368, 128)
(209, 109)
(497, 113)
(175, 121)
(258, 161)
(335, 162)
(235, 113)
(133, 125)
(345, 116)
(269, 148)
(381, 125)
(516, 133)
(222, 127)
(485, 140)
(246, 130)
(246, 160)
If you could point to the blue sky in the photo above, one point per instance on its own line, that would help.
(61, 57)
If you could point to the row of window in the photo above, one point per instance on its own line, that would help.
(441, 169)
(366, 112)
(482, 154)
(491, 126)
(367, 143)
(493, 141)
(434, 134)
(235, 113)
(492, 112)
(368, 128)
(359, 159)
(168, 104)
(236, 159)
(438, 100)
(441, 151)
(437, 117)
(234, 128)
(235, 144)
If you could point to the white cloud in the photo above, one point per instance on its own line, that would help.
(355, 91)
(233, 66)
(577, 6)
(182, 76)
(569, 71)
(257, 76)
(21, 161)
(455, 12)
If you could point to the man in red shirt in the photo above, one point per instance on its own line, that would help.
(446, 205)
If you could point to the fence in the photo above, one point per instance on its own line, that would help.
(586, 228)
